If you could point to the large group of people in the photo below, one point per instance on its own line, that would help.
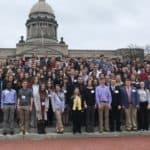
(111, 94)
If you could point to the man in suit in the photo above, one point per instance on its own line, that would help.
(115, 111)
(130, 102)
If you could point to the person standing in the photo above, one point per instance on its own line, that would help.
(89, 104)
(50, 113)
(130, 102)
(35, 90)
(58, 106)
(25, 104)
(147, 83)
(144, 98)
(68, 93)
(103, 100)
(77, 108)
(1, 89)
(115, 111)
(41, 106)
(8, 105)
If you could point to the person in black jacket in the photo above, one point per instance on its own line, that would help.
(68, 90)
(115, 122)
(77, 108)
(89, 104)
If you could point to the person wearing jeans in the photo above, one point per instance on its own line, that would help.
(8, 104)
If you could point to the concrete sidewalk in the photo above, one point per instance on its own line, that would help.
(52, 135)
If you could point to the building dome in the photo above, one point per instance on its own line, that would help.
(42, 7)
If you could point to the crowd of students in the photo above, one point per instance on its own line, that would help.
(110, 94)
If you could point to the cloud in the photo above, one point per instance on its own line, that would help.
(85, 24)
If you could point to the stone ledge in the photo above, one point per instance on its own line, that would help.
(35, 136)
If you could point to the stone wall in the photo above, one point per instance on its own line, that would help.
(91, 53)
(7, 52)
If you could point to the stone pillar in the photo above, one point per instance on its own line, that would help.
(55, 32)
(31, 29)
(27, 32)
(36, 30)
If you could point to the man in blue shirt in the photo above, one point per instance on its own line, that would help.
(8, 105)
(103, 100)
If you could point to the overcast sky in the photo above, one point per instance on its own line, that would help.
(84, 24)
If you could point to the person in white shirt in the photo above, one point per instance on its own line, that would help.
(35, 90)
(95, 72)
(144, 98)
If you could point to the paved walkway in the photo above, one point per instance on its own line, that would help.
(114, 143)
(67, 135)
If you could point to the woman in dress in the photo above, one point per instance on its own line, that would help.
(89, 104)
(42, 105)
(58, 106)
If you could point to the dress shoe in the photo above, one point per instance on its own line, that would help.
(4, 133)
(12, 132)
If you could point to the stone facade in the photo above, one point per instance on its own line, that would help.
(41, 34)
(41, 39)
(91, 53)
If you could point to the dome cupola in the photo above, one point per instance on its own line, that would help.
(41, 24)
(41, 7)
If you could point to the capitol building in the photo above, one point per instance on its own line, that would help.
(41, 39)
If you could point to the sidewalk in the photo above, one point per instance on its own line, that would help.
(51, 134)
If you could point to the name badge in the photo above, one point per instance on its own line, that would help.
(65, 91)
(6, 92)
(75, 81)
(23, 97)
(49, 95)
(116, 91)
(92, 91)
(133, 90)
(43, 103)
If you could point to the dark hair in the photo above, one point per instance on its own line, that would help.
(9, 83)
(92, 82)
(40, 88)
(127, 79)
(24, 81)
